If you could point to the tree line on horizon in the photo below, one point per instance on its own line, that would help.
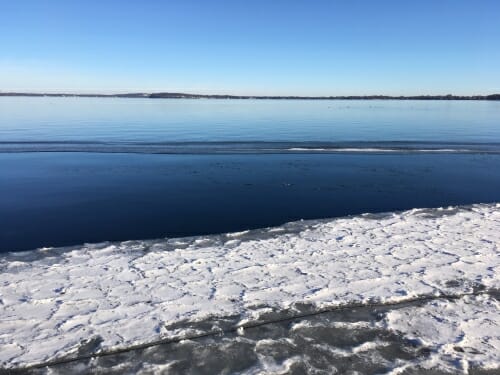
(175, 95)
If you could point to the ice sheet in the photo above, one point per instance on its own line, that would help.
(120, 294)
(461, 334)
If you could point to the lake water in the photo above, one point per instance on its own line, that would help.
(89, 170)
(117, 169)
(118, 122)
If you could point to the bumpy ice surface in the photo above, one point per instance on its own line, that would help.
(53, 301)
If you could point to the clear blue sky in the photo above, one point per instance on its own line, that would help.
(251, 47)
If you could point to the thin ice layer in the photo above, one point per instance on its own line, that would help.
(116, 295)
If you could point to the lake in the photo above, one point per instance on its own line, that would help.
(271, 274)
(76, 170)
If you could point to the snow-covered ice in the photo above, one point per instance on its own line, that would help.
(461, 334)
(121, 294)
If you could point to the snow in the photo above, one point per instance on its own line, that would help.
(127, 293)
(464, 332)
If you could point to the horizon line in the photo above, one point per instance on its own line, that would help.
(184, 95)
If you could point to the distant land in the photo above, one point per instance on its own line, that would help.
(177, 95)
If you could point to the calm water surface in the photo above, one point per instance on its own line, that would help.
(143, 168)
(174, 120)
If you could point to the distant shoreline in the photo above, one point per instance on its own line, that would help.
(175, 95)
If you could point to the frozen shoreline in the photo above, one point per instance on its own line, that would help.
(132, 292)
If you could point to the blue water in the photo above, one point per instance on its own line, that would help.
(118, 169)
(91, 120)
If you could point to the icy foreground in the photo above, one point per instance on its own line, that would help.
(53, 301)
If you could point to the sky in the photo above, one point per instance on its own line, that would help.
(344, 47)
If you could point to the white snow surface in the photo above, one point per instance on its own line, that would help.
(462, 334)
(130, 292)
